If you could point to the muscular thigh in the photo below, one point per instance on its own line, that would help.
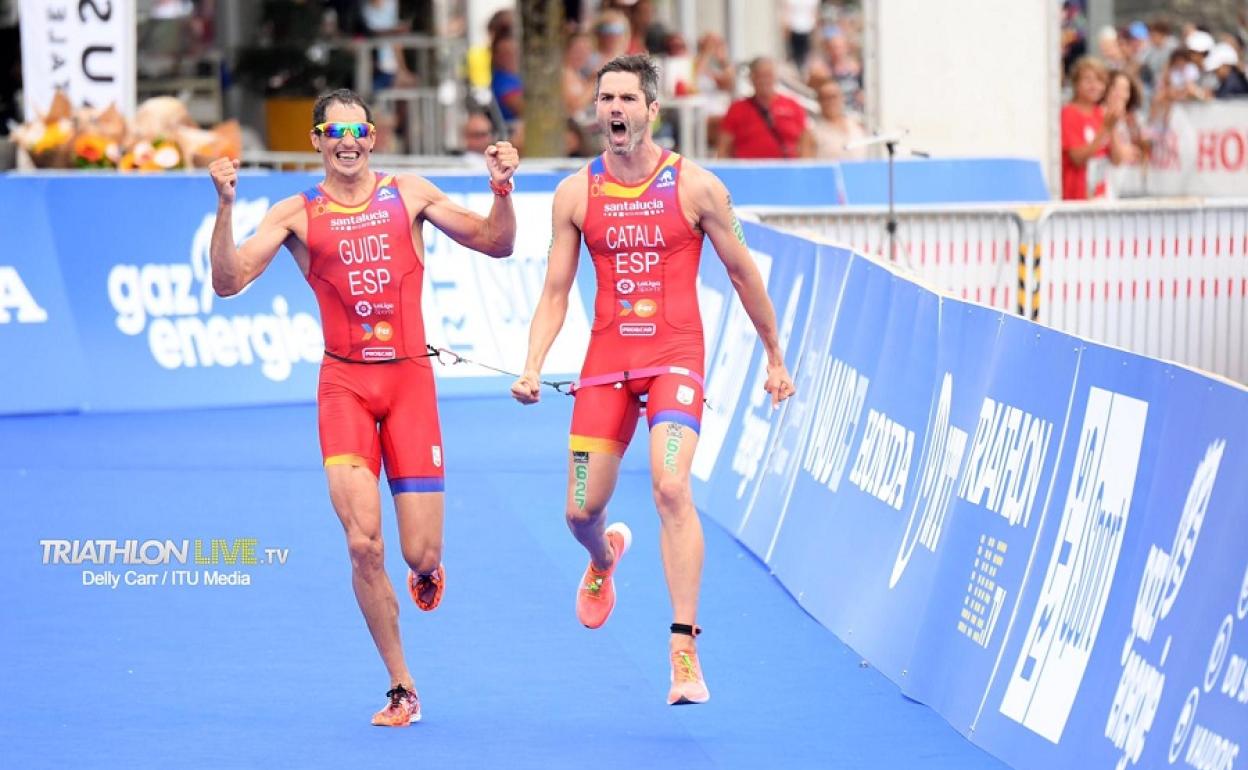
(604, 419)
(411, 436)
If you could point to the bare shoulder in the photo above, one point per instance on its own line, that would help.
(416, 186)
(570, 196)
(417, 193)
(287, 210)
(576, 184)
(699, 187)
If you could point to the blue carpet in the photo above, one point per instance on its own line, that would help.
(282, 672)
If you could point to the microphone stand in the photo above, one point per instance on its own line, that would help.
(890, 141)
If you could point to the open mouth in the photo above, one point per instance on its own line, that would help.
(619, 129)
(347, 156)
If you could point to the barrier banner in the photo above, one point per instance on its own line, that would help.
(154, 334)
(85, 49)
(738, 422)
(43, 370)
(481, 307)
(136, 273)
(994, 444)
(1203, 152)
(1041, 538)
(836, 548)
(1126, 609)
(777, 470)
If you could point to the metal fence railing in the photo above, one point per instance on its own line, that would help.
(969, 252)
(1163, 279)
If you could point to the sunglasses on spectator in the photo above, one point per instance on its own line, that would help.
(337, 130)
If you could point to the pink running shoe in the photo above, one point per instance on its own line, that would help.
(402, 710)
(426, 590)
(595, 597)
(688, 686)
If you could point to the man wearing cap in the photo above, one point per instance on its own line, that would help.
(1199, 43)
(1223, 62)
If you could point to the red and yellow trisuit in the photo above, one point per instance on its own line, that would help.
(647, 334)
(376, 399)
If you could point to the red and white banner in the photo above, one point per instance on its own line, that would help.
(84, 47)
(1203, 152)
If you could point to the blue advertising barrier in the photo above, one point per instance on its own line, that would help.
(43, 369)
(1040, 537)
(1054, 562)
(105, 287)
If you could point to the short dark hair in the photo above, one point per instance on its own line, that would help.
(642, 66)
(340, 96)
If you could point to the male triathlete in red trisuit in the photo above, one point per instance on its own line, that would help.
(643, 212)
(357, 238)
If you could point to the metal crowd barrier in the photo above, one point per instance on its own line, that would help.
(969, 252)
(1164, 279)
(1167, 280)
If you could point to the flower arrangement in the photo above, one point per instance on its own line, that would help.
(161, 137)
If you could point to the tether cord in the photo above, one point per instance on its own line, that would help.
(562, 386)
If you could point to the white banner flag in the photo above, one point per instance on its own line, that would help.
(83, 47)
(1202, 152)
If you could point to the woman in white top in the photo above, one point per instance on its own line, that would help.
(834, 128)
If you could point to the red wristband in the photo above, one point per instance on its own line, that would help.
(503, 190)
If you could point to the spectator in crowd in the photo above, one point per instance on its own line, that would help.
(1223, 62)
(381, 18)
(836, 60)
(712, 70)
(834, 129)
(1073, 34)
(765, 125)
(1179, 83)
(1086, 131)
(1109, 50)
(676, 65)
(1199, 43)
(478, 133)
(1128, 143)
(648, 35)
(501, 24)
(1133, 40)
(799, 18)
(1161, 44)
(578, 90)
(578, 87)
(611, 37)
(505, 79)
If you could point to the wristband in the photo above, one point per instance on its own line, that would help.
(503, 190)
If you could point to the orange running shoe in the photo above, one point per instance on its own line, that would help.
(595, 596)
(426, 590)
(688, 686)
(402, 710)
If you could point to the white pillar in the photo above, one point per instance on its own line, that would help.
(981, 82)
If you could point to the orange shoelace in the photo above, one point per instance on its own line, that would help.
(685, 665)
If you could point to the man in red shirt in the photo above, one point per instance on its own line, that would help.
(643, 213)
(1087, 131)
(356, 237)
(765, 125)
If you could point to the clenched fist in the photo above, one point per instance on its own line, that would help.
(502, 159)
(224, 173)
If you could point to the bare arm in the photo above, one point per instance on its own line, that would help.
(552, 307)
(806, 143)
(717, 219)
(494, 234)
(1104, 138)
(233, 268)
